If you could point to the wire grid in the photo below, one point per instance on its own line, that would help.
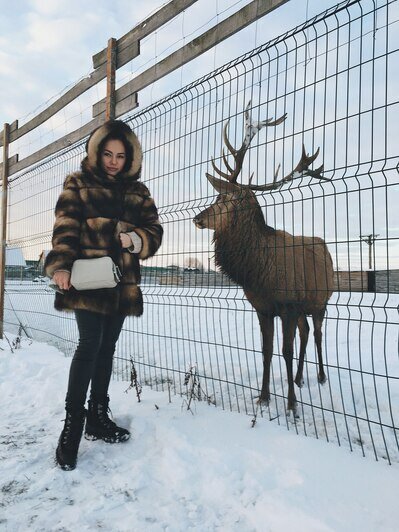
(335, 78)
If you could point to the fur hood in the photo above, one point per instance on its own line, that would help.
(113, 129)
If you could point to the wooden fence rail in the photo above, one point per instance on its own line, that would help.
(124, 50)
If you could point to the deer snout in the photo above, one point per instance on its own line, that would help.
(199, 222)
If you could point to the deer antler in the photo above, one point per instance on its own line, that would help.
(252, 127)
(301, 169)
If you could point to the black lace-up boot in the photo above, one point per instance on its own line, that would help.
(100, 427)
(68, 444)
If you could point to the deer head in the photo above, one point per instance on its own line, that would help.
(231, 193)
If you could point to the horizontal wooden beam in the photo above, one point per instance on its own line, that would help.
(126, 105)
(128, 47)
(13, 127)
(56, 146)
(145, 28)
(242, 18)
(82, 86)
(11, 160)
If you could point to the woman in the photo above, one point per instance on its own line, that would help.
(103, 210)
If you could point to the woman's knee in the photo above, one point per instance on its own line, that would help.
(90, 344)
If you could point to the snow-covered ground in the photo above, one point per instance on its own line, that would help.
(216, 330)
(201, 469)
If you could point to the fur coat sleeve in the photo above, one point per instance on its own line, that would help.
(149, 228)
(66, 233)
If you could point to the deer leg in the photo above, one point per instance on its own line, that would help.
(267, 329)
(303, 327)
(317, 323)
(290, 321)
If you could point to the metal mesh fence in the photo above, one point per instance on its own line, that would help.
(335, 77)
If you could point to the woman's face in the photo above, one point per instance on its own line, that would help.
(113, 157)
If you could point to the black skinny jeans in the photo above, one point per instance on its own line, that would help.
(92, 361)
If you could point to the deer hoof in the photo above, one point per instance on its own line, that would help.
(263, 401)
(294, 411)
(321, 378)
(299, 382)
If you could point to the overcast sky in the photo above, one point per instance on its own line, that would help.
(47, 45)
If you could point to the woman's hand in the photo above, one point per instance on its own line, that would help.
(62, 280)
(125, 239)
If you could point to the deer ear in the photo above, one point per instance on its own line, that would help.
(222, 187)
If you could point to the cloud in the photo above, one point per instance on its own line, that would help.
(47, 46)
(52, 36)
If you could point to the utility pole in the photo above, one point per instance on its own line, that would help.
(371, 276)
(370, 239)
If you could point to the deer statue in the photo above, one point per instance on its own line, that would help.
(282, 275)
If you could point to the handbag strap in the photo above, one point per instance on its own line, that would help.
(117, 272)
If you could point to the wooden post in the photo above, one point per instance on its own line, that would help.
(111, 68)
(4, 202)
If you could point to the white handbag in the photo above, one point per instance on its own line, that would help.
(91, 274)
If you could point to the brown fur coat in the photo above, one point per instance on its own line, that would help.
(91, 212)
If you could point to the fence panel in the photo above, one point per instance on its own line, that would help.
(335, 77)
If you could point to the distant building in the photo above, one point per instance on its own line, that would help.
(14, 257)
(15, 267)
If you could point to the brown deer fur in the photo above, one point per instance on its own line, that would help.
(281, 275)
